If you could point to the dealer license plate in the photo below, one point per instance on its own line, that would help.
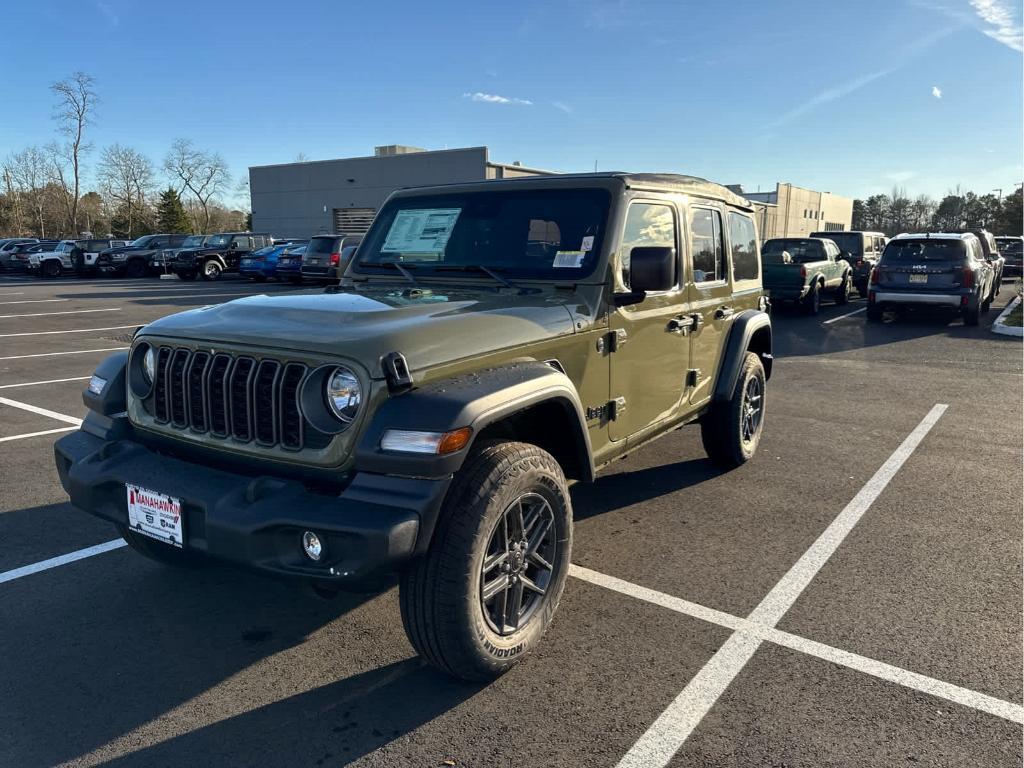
(919, 278)
(155, 514)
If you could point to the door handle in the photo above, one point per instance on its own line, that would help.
(684, 325)
(723, 312)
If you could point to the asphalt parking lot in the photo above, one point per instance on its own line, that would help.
(852, 596)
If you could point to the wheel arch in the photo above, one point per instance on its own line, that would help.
(529, 401)
(751, 331)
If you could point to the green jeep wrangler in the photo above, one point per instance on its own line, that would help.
(490, 343)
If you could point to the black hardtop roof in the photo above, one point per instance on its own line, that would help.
(655, 182)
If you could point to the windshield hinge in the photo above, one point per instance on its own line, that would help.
(396, 372)
(616, 408)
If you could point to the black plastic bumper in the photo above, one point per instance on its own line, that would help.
(370, 528)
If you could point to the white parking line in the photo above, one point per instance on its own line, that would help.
(840, 317)
(56, 354)
(41, 411)
(12, 293)
(36, 434)
(54, 562)
(32, 301)
(73, 330)
(760, 632)
(674, 726)
(48, 381)
(65, 312)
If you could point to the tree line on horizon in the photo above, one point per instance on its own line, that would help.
(41, 187)
(897, 212)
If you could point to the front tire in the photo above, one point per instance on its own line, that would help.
(52, 268)
(211, 270)
(483, 595)
(136, 268)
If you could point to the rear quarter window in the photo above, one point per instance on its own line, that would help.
(743, 247)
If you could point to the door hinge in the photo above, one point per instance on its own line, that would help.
(616, 408)
(693, 377)
(611, 341)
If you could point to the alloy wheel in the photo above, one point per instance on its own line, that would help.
(753, 408)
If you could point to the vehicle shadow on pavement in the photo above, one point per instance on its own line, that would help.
(333, 724)
(615, 491)
(142, 652)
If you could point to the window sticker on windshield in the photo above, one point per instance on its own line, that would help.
(568, 259)
(423, 230)
(587, 244)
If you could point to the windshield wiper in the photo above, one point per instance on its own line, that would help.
(405, 272)
(478, 268)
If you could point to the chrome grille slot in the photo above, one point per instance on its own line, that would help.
(265, 386)
(291, 416)
(195, 381)
(176, 387)
(239, 397)
(217, 394)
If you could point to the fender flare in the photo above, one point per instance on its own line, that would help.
(745, 327)
(474, 400)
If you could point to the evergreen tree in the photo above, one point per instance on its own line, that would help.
(171, 215)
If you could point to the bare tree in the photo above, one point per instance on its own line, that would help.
(76, 101)
(921, 212)
(126, 177)
(26, 174)
(199, 175)
(899, 209)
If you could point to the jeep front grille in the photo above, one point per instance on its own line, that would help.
(229, 396)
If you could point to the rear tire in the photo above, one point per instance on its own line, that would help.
(52, 268)
(843, 291)
(874, 313)
(158, 551)
(972, 316)
(812, 301)
(731, 431)
(506, 493)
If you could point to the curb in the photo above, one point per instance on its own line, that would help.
(1006, 330)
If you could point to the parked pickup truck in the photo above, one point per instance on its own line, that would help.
(801, 269)
(490, 342)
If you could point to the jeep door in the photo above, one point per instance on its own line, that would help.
(710, 292)
(240, 245)
(651, 355)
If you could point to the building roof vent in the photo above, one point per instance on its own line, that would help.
(388, 150)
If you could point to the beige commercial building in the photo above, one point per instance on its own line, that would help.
(792, 211)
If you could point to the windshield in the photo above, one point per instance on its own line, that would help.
(141, 242)
(848, 242)
(916, 251)
(539, 234)
(801, 251)
(193, 241)
(218, 241)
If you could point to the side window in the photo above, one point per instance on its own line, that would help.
(241, 243)
(706, 246)
(745, 264)
(647, 225)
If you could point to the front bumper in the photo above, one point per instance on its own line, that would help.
(371, 527)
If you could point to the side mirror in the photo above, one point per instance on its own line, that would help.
(652, 268)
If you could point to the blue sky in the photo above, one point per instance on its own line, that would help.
(849, 96)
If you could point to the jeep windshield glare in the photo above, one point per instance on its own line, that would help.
(532, 234)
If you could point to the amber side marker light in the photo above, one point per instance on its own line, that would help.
(436, 443)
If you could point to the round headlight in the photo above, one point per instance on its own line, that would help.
(149, 365)
(344, 395)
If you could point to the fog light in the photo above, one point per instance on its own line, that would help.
(96, 385)
(311, 543)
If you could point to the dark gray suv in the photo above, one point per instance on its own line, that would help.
(327, 257)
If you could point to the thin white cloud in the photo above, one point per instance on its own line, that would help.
(493, 98)
(1001, 22)
(112, 18)
(561, 105)
(900, 176)
(936, 92)
(845, 89)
